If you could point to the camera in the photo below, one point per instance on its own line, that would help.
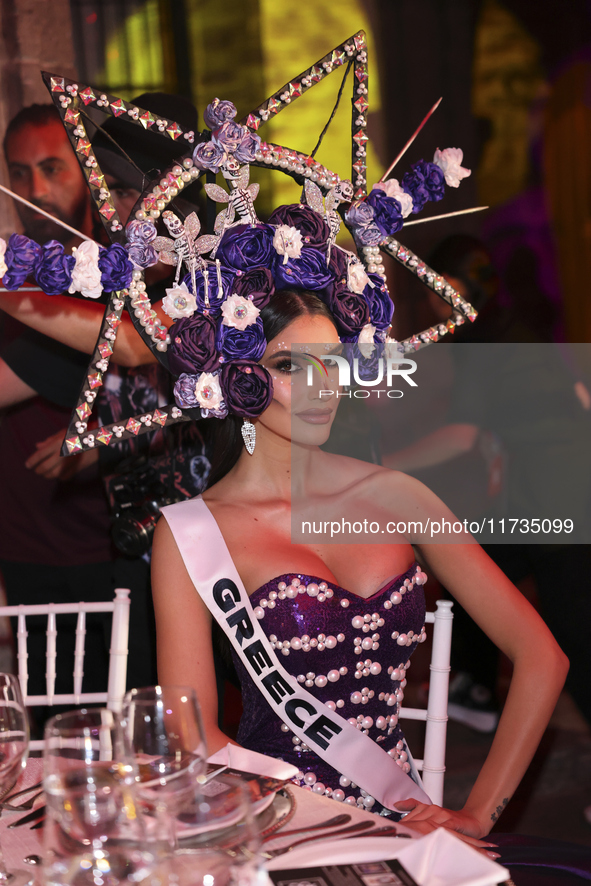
(136, 496)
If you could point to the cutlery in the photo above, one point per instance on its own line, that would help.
(338, 820)
(10, 797)
(381, 832)
(27, 819)
(22, 807)
(360, 826)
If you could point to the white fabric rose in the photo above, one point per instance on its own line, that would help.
(357, 278)
(239, 312)
(393, 189)
(287, 242)
(3, 265)
(365, 340)
(179, 302)
(208, 391)
(450, 163)
(86, 276)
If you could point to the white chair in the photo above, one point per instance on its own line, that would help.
(432, 766)
(117, 653)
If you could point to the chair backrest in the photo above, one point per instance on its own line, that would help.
(113, 696)
(432, 766)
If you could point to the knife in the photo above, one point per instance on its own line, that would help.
(27, 819)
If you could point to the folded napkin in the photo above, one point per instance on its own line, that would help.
(250, 761)
(438, 859)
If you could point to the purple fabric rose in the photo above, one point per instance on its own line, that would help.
(256, 284)
(244, 247)
(192, 346)
(53, 269)
(339, 265)
(387, 212)
(140, 232)
(314, 230)
(368, 368)
(425, 182)
(248, 147)
(242, 344)
(115, 267)
(350, 311)
(229, 136)
(208, 155)
(216, 298)
(381, 306)
(184, 391)
(247, 388)
(309, 271)
(21, 256)
(360, 217)
(219, 112)
(142, 256)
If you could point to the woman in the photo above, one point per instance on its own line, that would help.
(252, 506)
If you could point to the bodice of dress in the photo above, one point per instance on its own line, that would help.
(349, 652)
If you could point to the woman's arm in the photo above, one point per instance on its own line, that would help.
(539, 671)
(183, 625)
(75, 323)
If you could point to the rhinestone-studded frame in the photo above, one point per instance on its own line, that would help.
(71, 100)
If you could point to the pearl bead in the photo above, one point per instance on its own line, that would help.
(388, 604)
(281, 595)
(351, 801)
(403, 756)
(313, 642)
(291, 593)
(259, 612)
(321, 681)
(365, 672)
(352, 721)
(396, 674)
(281, 586)
(356, 697)
(306, 647)
(395, 635)
(296, 643)
(381, 723)
(367, 722)
(364, 699)
(330, 642)
(273, 595)
(295, 740)
(330, 705)
(328, 792)
(309, 683)
(320, 647)
(295, 582)
(402, 640)
(365, 691)
(284, 728)
(301, 678)
(272, 638)
(357, 622)
(333, 676)
(367, 643)
(310, 675)
(305, 638)
(375, 668)
(321, 638)
(340, 703)
(380, 622)
(357, 641)
(396, 598)
(271, 604)
(340, 638)
(312, 589)
(321, 598)
(365, 628)
(344, 604)
(318, 788)
(343, 671)
(310, 778)
(338, 795)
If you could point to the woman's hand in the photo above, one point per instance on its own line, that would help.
(425, 818)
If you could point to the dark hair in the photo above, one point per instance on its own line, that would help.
(285, 306)
(34, 115)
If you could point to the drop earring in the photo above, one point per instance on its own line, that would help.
(249, 435)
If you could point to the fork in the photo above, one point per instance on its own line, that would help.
(22, 807)
(360, 826)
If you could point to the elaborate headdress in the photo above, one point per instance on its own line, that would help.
(229, 275)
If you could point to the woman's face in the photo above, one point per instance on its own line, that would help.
(304, 387)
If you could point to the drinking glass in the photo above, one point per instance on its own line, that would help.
(14, 746)
(93, 833)
(164, 729)
(222, 842)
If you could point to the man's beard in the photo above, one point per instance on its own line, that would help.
(42, 229)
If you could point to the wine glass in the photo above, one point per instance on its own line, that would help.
(222, 842)
(164, 728)
(94, 833)
(14, 747)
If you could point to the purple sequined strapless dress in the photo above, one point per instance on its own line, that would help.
(350, 653)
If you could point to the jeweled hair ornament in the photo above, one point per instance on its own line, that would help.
(225, 277)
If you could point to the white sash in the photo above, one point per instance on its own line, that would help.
(334, 739)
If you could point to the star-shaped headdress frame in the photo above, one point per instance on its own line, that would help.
(324, 191)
